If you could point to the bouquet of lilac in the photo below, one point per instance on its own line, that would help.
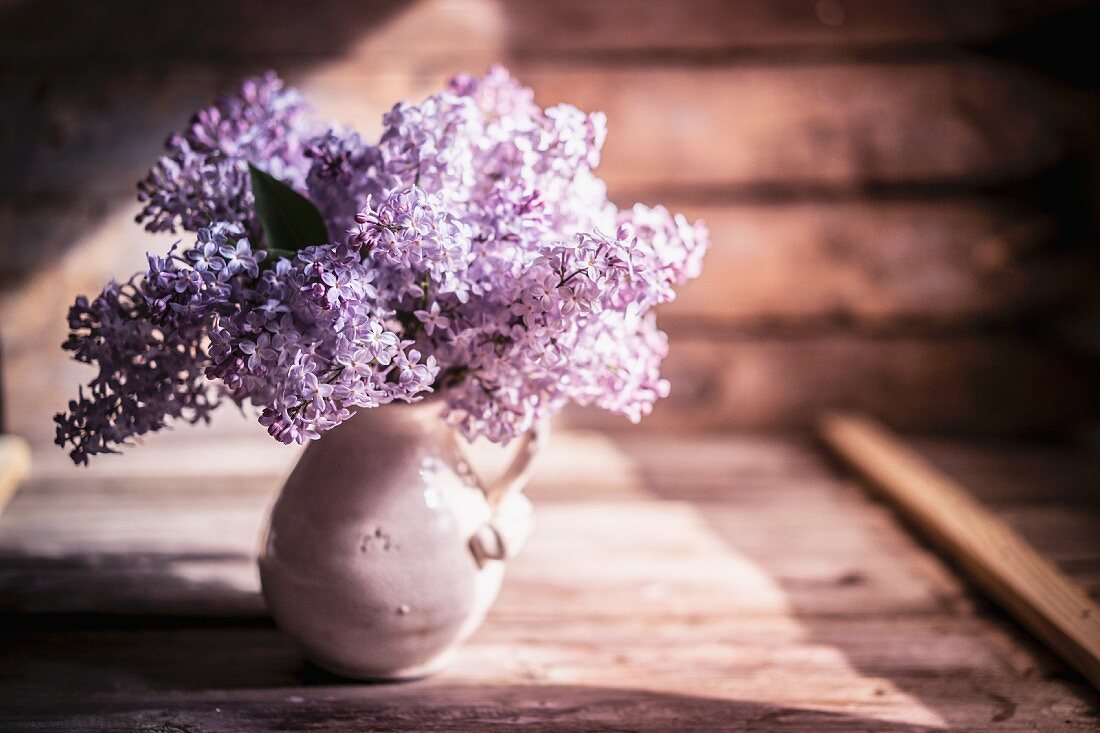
(471, 251)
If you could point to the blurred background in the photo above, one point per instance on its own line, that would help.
(902, 193)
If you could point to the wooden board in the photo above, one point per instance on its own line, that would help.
(983, 386)
(1002, 563)
(749, 130)
(920, 265)
(184, 547)
(759, 129)
(688, 584)
(960, 384)
(208, 28)
(884, 265)
(756, 366)
(708, 699)
(838, 149)
(607, 27)
(1047, 493)
(548, 674)
(746, 130)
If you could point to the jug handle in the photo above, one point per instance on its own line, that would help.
(519, 471)
(512, 517)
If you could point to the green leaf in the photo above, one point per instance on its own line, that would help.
(291, 222)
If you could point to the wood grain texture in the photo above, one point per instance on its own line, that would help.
(884, 265)
(1013, 475)
(456, 706)
(747, 378)
(211, 29)
(960, 384)
(921, 265)
(1003, 564)
(701, 26)
(838, 148)
(179, 541)
(1047, 493)
(758, 129)
(547, 673)
(750, 130)
(695, 583)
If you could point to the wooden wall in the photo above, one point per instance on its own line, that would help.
(898, 190)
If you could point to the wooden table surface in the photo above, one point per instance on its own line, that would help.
(719, 583)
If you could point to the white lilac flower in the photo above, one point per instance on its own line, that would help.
(476, 255)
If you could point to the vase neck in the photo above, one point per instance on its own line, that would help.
(423, 418)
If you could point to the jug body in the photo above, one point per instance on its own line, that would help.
(380, 554)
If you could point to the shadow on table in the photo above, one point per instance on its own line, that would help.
(253, 678)
(553, 707)
(860, 582)
(122, 590)
(343, 706)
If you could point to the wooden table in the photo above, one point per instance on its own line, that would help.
(719, 583)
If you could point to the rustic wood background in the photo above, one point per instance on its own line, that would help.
(900, 191)
(902, 197)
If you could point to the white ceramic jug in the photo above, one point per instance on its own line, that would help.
(384, 551)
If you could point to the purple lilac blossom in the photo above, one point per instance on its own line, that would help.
(204, 177)
(482, 260)
(344, 174)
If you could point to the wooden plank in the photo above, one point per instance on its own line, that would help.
(107, 129)
(675, 559)
(752, 130)
(549, 672)
(1046, 493)
(233, 459)
(1001, 562)
(551, 646)
(756, 130)
(994, 386)
(677, 536)
(919, 264)
(553, 708)
(1013, 474)
(608, 26)
(214, 29)
(236, 33)
(958, 384)
(670, 584)
(564, 706)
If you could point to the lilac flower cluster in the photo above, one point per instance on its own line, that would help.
(476, 255)
(204, 177)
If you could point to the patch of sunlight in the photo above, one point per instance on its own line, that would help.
(396, 61)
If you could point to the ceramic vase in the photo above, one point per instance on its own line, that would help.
(384, 550)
